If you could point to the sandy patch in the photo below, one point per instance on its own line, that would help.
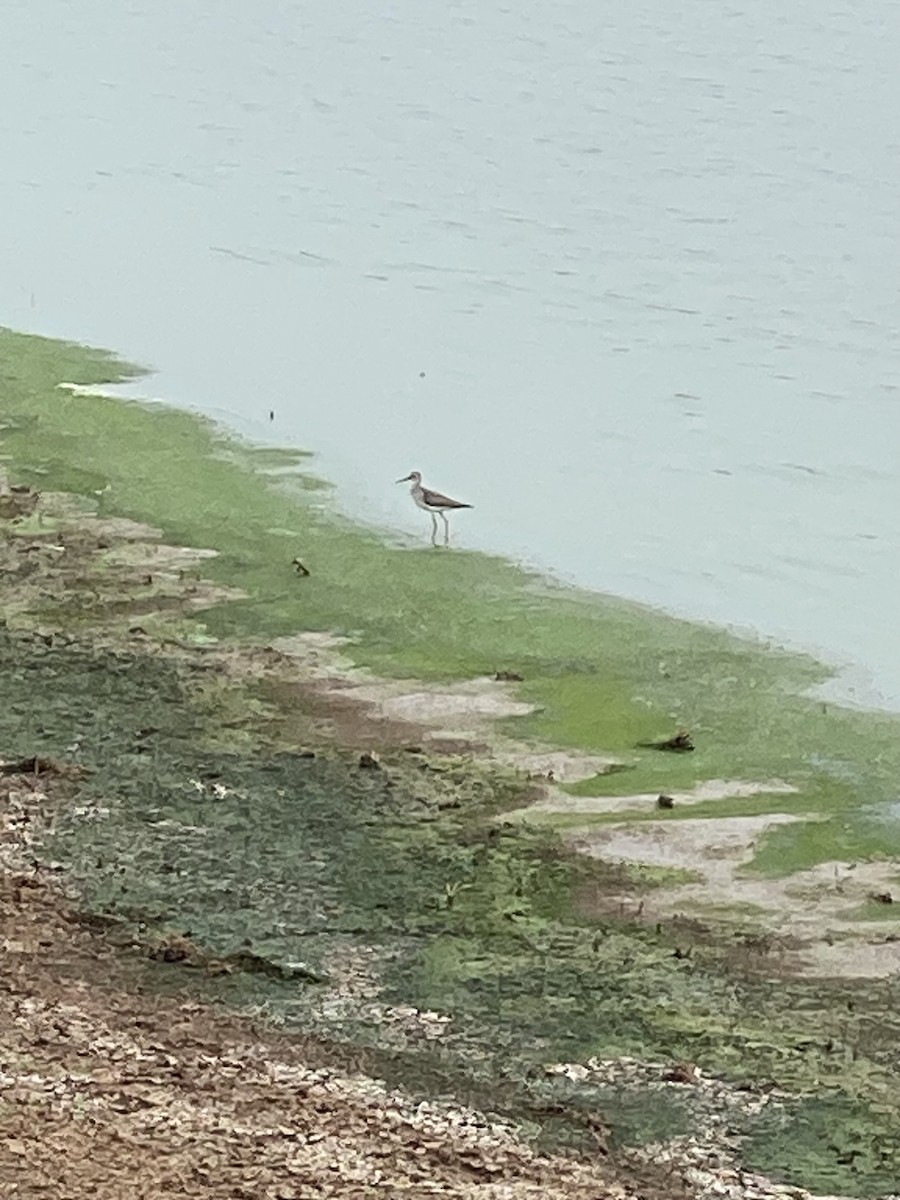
(458, 718)
(715, 847)
(874, 959)
(562, 766)
(639, 802)
(816, 906)
(318, 655)
(118, 569)
(156, 556)
(426, 712)
(120, 528)
(462, 708)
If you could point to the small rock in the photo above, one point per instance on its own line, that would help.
(683, 1072)
(665, 802)
(370, 761)
(508, 677)
(680, 743)
(883, 897)
(18, 501)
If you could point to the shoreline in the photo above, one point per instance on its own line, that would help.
(695, 865)
(850, 684)
(87, 576)
(816, 782)
(698, 1161)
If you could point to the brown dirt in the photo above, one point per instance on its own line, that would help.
(111, 1092)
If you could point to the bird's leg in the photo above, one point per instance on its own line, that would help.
(433, 529)
(446, 529)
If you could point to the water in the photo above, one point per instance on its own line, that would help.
(645, 259)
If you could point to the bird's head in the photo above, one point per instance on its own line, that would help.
(413, 476)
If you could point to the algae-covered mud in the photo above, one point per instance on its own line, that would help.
(421, 902)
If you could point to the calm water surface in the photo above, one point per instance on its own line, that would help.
(646, 257)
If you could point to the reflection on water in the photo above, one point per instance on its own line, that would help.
(625, 279)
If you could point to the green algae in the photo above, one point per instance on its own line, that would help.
(605, 675)
(835, 1138)
(211, 832)
(312, 861)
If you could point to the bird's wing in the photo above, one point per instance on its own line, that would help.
(436, 500)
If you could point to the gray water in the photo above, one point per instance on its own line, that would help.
(646, 256)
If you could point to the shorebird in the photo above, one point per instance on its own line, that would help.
(432, 502)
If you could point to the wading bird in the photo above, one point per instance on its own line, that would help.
(432, 502)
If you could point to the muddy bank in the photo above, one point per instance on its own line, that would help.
(123, 1067)
(584, 673)
(221, 827)
(107, 1089)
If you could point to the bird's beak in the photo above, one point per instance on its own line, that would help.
(405, 479)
